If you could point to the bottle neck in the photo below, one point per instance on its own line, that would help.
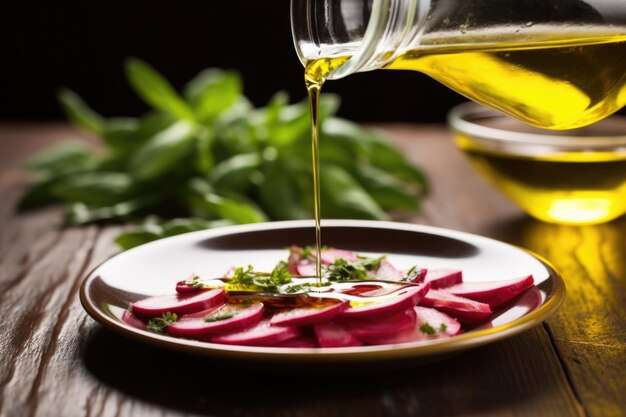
(370, 34)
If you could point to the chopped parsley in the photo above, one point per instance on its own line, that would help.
(249, 280)
(428, 329)
(159, 324)
(219, 316)
(412, 274)
(343, 270)
(194, 282)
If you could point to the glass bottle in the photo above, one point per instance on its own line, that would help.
(556, 64)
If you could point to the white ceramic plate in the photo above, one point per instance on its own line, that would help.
(154, 268)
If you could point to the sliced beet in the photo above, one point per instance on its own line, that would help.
(299, 342)
(177, 303)
(262, 334)
(494, 293)
(223, 319)
(331, 334)
(465, 310)
(443, 278)
(394, 303)
(371, 330)
(308, 315)
(387, 272)
(132, 320)
(426, 319)
(329, 256)
(305, 269)
(443, 324)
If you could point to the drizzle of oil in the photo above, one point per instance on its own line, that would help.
(314, 76)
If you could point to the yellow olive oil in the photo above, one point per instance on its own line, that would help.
(314, 76)
(552, 85)
(566, 188)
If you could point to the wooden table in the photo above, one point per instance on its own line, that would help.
(55, 360)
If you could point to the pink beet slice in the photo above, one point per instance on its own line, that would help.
(262, 334)
(302, 316)
(329, 256)
(387, 272)
(331, 334)
(494, 293)
(183, 288)
(368, 330)
(442, 323)
(402, 299)
(305, 269)
(299, 342)
(423, 315)
(177, 303)
(465, 310)
(223, 319)
(130, 319)
(443, 278)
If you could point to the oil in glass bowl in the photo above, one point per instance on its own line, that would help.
(573, 176)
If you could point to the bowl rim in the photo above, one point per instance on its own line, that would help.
(460, 118)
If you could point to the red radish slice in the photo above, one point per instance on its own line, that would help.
(262, 334)
(329, 256)
(183, 288)
(401, 300)
(223, 319)
(440, 322)
(306, 269)
(332, 334)
(130, 319)
(368, 330)
(494, 293)
(176, 303)
(416, 333)
(387, 272)
(443, 278)
(308, 315)
(465, 310)
(299, 342)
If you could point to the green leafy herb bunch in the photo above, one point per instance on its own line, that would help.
(206, 157)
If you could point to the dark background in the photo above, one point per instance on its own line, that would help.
(82, 45)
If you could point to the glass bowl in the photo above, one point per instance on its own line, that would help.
(573, 176)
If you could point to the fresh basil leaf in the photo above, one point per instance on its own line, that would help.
(235, 172)
(206, 203)
(133, 238)
(39, 194)
(388, 191)
(94, 188)
(155, 90)
(163, 151)
(66, 157)
(122, 134)
(192, 224)
(280, 194)
(204, 158)
(213, 91)
(343, 197)
(78, 112)
(375, 148)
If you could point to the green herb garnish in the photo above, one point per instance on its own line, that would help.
(344, 270)
(219, 317)
(427, 329)
(159, 324)
(249, 280)
(412, 274)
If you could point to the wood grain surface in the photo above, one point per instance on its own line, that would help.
(55, 360)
